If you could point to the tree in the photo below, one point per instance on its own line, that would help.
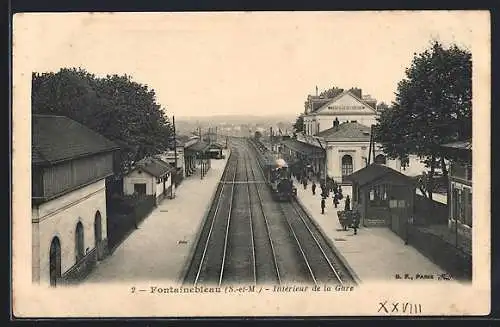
(115, 106)
(298, 126)
(433, 106)
(382, 106)
(257, 135)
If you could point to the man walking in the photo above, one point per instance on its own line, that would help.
(313, 187)
(322, 206)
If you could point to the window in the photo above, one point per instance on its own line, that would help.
(79, 242)
(378, 195)
(346, 165)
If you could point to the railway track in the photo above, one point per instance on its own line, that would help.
(248, 238)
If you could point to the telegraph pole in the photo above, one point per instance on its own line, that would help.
(175, 161)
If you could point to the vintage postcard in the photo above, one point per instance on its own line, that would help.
(251, 164)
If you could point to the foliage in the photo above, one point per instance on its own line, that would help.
(257, 135)
(122, 110)
(432, 107)
(298, 126)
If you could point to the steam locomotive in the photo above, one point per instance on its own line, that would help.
(279, 179)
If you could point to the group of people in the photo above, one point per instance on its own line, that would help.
(337, 196)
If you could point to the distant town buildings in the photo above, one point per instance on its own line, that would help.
(69, 165)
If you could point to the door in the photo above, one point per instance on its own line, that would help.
(140, 188)
(55, 261)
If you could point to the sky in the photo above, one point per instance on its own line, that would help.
(254, 63)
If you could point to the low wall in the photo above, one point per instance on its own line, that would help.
(446, 255)
(81, 269)
(120, 223)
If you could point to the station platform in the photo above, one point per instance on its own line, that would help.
(375, 254)
(160, 248)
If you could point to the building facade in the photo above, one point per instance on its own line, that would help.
(348, 150)
(460, 187)
(347, 106)
(69, 231)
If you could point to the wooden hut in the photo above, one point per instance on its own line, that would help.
(384, 197)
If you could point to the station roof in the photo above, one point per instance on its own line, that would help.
(353, 132)
(375, 172)
(200, 146)
(303, 148)
(154, 166)
(59, 138)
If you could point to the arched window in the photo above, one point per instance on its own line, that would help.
(79, 245)
(346, 165)
(55, 261)
(97, 232)
(380, 159)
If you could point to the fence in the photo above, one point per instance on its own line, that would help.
(124, 213)
(430, 212)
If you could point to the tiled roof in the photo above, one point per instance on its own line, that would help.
(301, 147)
(316, 104)
(58, 138)
(374, 172)
(154, 167)
(459, 145)
(345, 132)
(198, 146)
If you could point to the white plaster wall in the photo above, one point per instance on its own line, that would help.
(59, 217)
(135, 178)
(158, 187)
(335, 152)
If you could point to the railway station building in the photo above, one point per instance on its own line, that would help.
(321, 113)
(303, 156)
(69, 220)
(348, 150)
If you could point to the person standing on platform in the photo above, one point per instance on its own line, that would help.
(322, 206)
(347, 203)
(313, 187)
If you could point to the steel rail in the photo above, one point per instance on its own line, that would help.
(203, 256)
(299, 245)
(317, 242)
(267, 229)
(227, 226)
(254, 266)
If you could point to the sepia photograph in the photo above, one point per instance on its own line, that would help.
(251, 164)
